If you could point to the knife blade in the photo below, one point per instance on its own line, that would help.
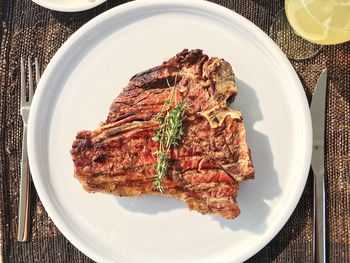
(318, 111)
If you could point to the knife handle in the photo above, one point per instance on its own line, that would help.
(319, 218)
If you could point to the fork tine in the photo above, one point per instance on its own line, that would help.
(23, 83)
(37, 72)
(31, 85)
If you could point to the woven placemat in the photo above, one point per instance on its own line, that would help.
(30, 30)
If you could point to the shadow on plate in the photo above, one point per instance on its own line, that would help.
(150, 204)
(253, 193)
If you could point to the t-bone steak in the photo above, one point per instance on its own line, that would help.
(212, 158)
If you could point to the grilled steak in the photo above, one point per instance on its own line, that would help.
(204, 169)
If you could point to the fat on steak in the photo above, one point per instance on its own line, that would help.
(205, 169)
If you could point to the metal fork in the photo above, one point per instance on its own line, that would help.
(23, 211)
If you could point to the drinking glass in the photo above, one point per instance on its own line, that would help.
(304, 26)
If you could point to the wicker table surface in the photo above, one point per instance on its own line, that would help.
(30, 30)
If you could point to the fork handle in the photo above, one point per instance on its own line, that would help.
(23, 211)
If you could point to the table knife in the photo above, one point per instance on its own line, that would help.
(318, 109)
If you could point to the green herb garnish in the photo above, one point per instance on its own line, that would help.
(168, 134)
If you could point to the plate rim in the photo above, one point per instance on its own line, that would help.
(64, 8)
(194, 4)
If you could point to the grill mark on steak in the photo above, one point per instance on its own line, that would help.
(148, 82)
(211, 159)
(181, 164)
(185, 158)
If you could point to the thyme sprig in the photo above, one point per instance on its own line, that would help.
(168, 134)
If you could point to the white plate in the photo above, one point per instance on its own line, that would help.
(89, 71)
(69, 5)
